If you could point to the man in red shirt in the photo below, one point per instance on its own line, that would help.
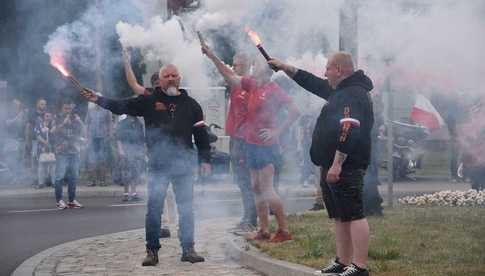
(261, 131)
(236, 130)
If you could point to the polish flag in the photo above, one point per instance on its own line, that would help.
(425, 114)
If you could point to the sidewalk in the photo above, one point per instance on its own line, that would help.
(120, 254)
(227, 190)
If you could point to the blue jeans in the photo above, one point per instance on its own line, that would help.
(184, 195)
(67, 168)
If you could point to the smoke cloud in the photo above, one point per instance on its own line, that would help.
(166, 42)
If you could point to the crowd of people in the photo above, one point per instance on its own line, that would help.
(159, 136)
(51, 146)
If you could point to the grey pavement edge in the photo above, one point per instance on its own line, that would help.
(27, 268)
(245, 254)
(230, 191)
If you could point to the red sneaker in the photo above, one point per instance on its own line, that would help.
(281, 236)
(261, 236)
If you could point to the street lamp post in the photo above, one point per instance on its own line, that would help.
(348, 33)
(389, 109)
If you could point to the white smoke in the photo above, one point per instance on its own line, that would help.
(438, 42)
(437, 38)
(165, 42)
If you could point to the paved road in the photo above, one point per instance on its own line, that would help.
(28, 226)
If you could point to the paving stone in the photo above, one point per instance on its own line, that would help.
(122, 253)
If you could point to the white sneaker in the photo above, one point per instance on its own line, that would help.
(74, 204)
(61, 205)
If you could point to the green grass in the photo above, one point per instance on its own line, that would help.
(406, 241)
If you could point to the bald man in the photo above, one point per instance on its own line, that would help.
(341, 145)
(172, 117)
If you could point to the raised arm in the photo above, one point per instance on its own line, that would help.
(132, 106)
(227, 73)
(318, 86)
(130, 75)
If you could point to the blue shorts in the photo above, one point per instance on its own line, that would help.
(258, 157)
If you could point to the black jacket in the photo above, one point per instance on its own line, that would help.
(170, 122)
(345, 122)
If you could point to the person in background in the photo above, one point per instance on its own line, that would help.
(99, 132)
(309, 172)
(15, 145)
(45, 150)
(68, 131)
(130, 141)
(31, 142)
(372, 198)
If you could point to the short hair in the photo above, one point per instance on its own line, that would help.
(344, 61)
(166, 66)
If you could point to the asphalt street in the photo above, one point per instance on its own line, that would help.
(29, 226)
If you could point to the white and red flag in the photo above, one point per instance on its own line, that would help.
(425, 114)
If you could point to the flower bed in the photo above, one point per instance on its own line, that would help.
(447, 198)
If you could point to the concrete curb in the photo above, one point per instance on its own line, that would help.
(27, 267)
(49, 193)
(245, 254)
(117, 192)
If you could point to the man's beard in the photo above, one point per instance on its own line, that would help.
(172, 91)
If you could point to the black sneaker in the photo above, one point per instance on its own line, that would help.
(317, 207)
(353, 270)
(125, 198)
(333, 268)
(189, 255)
(151, 258)
(164, 233)
(135, 198)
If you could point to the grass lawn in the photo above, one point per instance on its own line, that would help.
(405, 241)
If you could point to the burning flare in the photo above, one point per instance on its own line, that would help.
(253, 36)
(57, 64)
(61, 68)
(257, 41)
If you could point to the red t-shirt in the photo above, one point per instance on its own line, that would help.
(264, 105)
(237, 114)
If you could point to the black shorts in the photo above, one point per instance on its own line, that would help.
(343, 200)
(258, 157)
